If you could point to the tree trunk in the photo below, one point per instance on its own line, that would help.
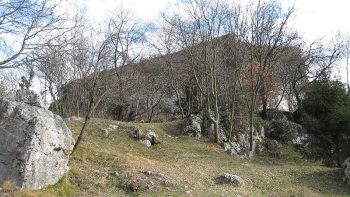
(251, 129)
(87, 119)
(216, 132)
(264, 103)
(179, 103)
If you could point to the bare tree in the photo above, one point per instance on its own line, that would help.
(29, 24)
(199, 33)
(311, 63)
(112, 48)
(166, 45)
(268, 34)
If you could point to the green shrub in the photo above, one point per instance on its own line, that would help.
(326, 117)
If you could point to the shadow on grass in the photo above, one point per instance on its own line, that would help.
(328, 182)
(172, 128)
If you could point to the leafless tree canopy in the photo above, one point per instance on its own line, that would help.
(26, 25)
(225, 61)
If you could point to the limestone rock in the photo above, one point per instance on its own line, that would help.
(346, 168)
(105, 131)
(227, 146)
(113, 126)
(75, 118)
(147, 180)
(228, 178)
(136, 133)
(146, 143)
(29, 97)
(286, 132)
(152, 137)
(193, 126)
(34, 143)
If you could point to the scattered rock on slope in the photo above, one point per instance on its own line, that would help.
(146, 137)
(146, 143)
(228, 178)
(34, 143)
(152, 137)
(105, 131)
(136, 133)
(147, 180)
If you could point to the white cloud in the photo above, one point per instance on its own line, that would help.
(316, 19)
(100, 10)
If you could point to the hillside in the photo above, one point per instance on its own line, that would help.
(191, 163)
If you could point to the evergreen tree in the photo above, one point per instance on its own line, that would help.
(326, 117)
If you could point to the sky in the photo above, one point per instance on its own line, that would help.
(313, 19)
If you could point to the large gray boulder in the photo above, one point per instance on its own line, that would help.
(34, 143)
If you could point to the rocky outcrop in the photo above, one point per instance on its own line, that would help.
(285, 131)
(34, 143)
(346, 168)
(193, 126)
(240, 144)
(29, 97)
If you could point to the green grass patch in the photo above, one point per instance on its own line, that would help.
(193, 163)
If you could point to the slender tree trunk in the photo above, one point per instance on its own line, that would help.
(297, 116)
(179, 101)
(232, 115)
(87, 120)
(264, 103)
(251, 127)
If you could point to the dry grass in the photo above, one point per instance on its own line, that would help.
(193, 163)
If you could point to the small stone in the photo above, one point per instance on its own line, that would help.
(112, 126)
(105, 131)
(230, 178)
(146, 143)
(227, 146)
(269, 162)
(148, 173)
(75, 118)
(116, 123)
(115, 173)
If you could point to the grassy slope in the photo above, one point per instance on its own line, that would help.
(193, 163)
